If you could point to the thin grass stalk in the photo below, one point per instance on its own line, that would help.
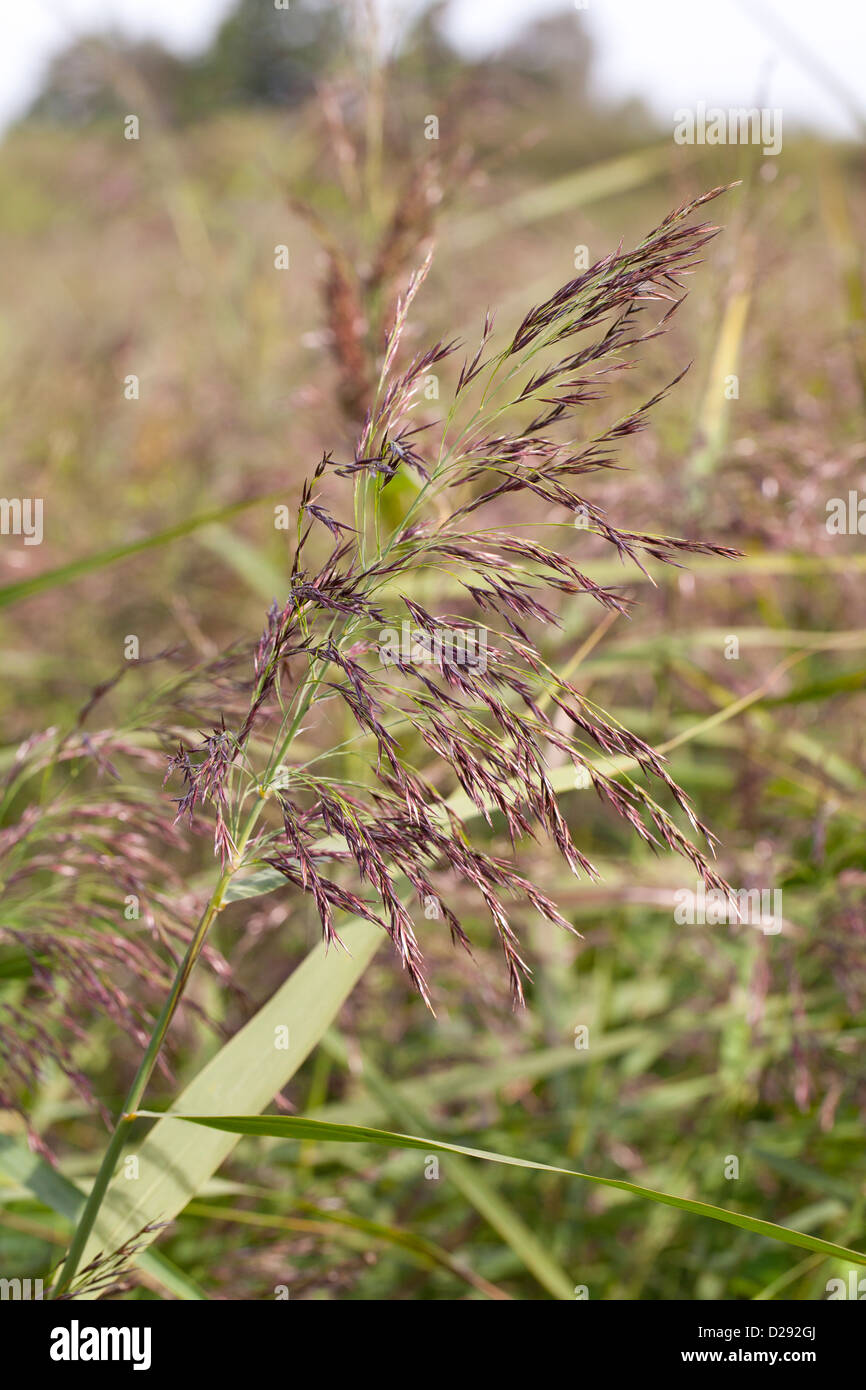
(146, 1068)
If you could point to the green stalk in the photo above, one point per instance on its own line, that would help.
(148, 1062)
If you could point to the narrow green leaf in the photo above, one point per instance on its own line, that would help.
(61, 1196)
(65, 574)
(175, 1162)
(297, 1127)
(254, 885)
(588, 185)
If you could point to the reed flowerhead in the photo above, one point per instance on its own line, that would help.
(374, 824)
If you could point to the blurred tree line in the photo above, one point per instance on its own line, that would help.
(263, 56)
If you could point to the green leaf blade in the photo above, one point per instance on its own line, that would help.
(297, 1127)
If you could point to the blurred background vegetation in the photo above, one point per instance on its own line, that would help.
(156, 258)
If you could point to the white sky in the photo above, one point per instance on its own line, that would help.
(670, 52)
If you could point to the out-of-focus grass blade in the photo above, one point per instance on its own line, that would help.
(56, 1192)
(297, 1127)
(323, 1220)
(561, 195)
(809, 1178)
(175, 1162)
(248, 562)
(848, 252)
(712, 425)
(471, 1080)
(18, 965)
(790, 1276)
(44, 1182)
(88, 564)
(755, 563)
(473, 1185)
(819, 689)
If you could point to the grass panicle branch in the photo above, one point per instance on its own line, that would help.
(468, 712)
